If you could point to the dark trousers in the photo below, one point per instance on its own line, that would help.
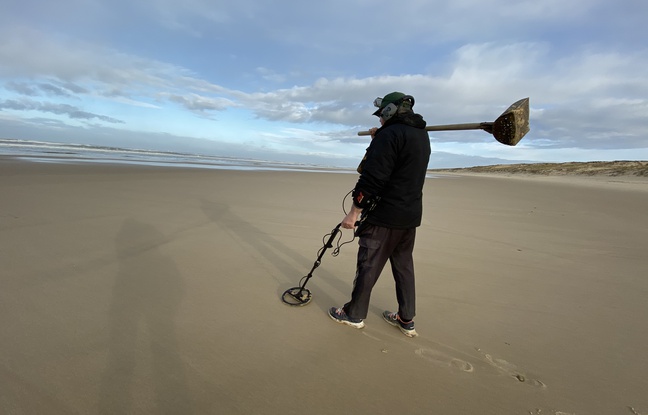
(376, 246)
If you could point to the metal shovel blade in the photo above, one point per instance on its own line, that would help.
(513, 124)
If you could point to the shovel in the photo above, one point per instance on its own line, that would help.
(508, 128)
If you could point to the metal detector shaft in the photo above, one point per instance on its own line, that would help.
(327, 245)
(300, 296)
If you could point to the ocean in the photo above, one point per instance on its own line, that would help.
(44, 152)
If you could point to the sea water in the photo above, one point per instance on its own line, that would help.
(45, 152)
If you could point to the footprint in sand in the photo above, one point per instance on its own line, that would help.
(436, 357)
(442, 359)
(511, 369)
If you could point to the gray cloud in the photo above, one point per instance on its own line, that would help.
(53, 90)
(22, 88)
(35, 89)
(74, 88)
(195, 102)
(59, 109)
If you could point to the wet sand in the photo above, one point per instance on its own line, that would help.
(133, 289)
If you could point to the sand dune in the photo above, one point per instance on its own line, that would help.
(594, 168)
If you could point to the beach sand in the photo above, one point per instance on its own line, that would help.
(134, 289)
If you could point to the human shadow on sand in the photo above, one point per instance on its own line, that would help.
(143, 357)
(281, 256)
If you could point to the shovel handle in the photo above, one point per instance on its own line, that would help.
(450, 127)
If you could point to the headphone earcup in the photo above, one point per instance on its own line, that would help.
(410, 99)
(388, 111)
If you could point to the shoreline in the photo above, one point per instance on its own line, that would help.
(239, 165)
(627, 181)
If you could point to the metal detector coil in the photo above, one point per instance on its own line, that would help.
(297, 296)
(300, 296)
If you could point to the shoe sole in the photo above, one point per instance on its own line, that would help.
(408, 333)
(348, 323)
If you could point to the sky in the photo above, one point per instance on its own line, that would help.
(292, 80)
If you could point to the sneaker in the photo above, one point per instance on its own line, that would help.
(340, 316)
(395, 320)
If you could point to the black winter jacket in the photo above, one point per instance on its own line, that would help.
(394, 169)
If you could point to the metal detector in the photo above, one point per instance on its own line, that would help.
(508, 128)
(300, 296)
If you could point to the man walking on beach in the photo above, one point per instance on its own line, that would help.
(387, 199)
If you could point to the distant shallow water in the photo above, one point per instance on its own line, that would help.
(43, 152)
